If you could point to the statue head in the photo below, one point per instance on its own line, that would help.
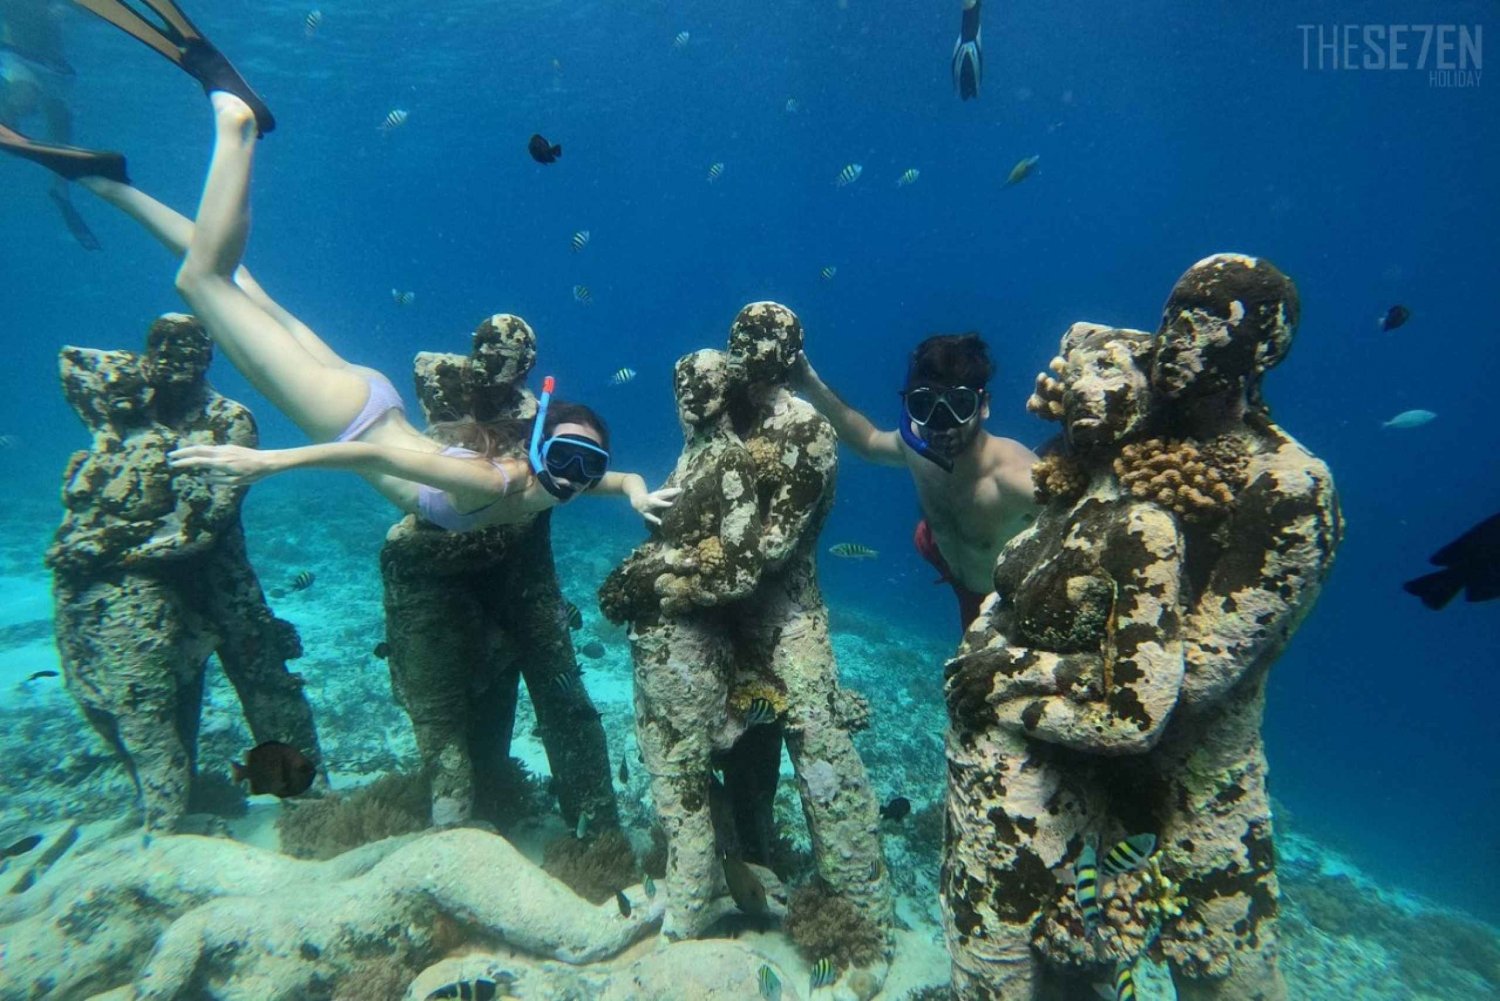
(106, 388)
(178, 353)
(503, 352)
(1229, 320)
(700, 382)
(1106, 383)
(764, 342)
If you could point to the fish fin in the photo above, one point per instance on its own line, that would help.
(1484, 589)
(1436, 589)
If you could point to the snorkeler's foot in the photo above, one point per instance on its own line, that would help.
(176, 38)
(71, 162)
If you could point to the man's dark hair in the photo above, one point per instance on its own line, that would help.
(951, 360)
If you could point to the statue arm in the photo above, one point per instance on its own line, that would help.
(798, 500)
(1114, 701)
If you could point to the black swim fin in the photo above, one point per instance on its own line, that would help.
(968, 54)
(177, 39)
(71, 162)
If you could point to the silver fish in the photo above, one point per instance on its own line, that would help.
(715, 171)
(908, 176)
(828, 272)
(1409, 419)
(854, 551)
(403, 298)
(622, 376)
(848, 175)
(582, 294)
(312, 22)
(580, 240)
(394, 119)
(681, 40)
(1023, 169)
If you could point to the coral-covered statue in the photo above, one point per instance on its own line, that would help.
(470, 614)
(150, 574)
(1116, 687)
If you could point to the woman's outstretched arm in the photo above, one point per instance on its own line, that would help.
(632, 486)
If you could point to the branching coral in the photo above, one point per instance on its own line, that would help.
(1059, 478)
(595, 869)
(1197, 483)
(321, 829)
(851, 709)
(823, 924)
(1047, 401)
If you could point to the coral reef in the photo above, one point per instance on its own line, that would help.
(1046, 401)
(747, 692)
(1058, 478)
(822, 924)
(388, 807)
(1180, 476)
(593, 868)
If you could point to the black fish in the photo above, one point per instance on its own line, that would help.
(1472, 563)
(624, 771)
(1394, 317)
(896, 809)
(277, 768)
(21, 847)
(33, 676)
(481, 989)
(382, 650)
(623, 902)
(542, 151)
(745, 887)
(593, 649)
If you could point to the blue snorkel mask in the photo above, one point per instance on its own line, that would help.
(580, 461)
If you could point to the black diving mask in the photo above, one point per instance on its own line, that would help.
(934, 409)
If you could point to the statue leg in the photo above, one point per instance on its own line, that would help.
(1217, 845)
(254, 649)
(127, 655)
(435, 630)
(681, 671)
(491, 727)
(530, 605)
(788, 632)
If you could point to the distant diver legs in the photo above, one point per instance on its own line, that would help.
(70, 162)
(968, 53)
(178, 40)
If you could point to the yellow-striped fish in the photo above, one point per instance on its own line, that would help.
(580, 240)
(761, 712)
(622, 376)
(715, 171)
(394, 119)
(823, 974)
(1022, 170)
(853, 551)
(828, 272)
(681, 40)
(1086, 886)
(582, 294)
(312, 22)
(908, 176)
(1124, 981)
(770, 983)
(403, 298)
(848, 175)
(303, 581)
(1128, 855)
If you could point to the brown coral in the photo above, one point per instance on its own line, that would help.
(851, 709)
(1198, 483)
(391, 805)
(821, 924)
(1047, 401)
(742, 695)
(1059, 478)
(595, 869)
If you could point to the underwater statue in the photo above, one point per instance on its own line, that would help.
(1107, 782)
(150, 574)
(470, 614)
(673, 590)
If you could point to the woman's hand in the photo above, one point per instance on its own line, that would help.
(647, 503)
(226, 465)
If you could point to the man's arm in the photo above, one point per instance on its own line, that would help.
(853, 428)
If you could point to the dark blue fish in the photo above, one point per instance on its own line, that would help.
(897, 809)
(1394, 317)
(542, 151)
(1472, 565)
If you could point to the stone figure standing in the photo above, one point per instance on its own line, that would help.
(1117, 684)
(150, 573)
(471, 614)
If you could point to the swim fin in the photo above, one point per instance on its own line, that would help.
(177, 39)
(71, 162)
(968, 54)
(73, 220)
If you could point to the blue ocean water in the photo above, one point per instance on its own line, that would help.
(1166, 132)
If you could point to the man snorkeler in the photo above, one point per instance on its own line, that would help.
(974, 487)
(35, 79)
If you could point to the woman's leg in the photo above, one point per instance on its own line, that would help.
(321, 399)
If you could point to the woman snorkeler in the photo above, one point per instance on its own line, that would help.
(353, 412)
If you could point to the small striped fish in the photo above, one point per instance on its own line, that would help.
(770, 983)
(312, 22)
(621, 377)
(580, 240)
(403, 298)
(761, 712)
(303, 581)
(394, 119)
(792, 106)
(1128, 855)
(828, 272)
(582, 294)
(908, 176)
(848, 175)
(649, 885)
(481, 989)
(715, 171)
(566, 682)
(1086, 886)
(1124, 982)
(853, 551)
(681, 40)
(823, 974)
